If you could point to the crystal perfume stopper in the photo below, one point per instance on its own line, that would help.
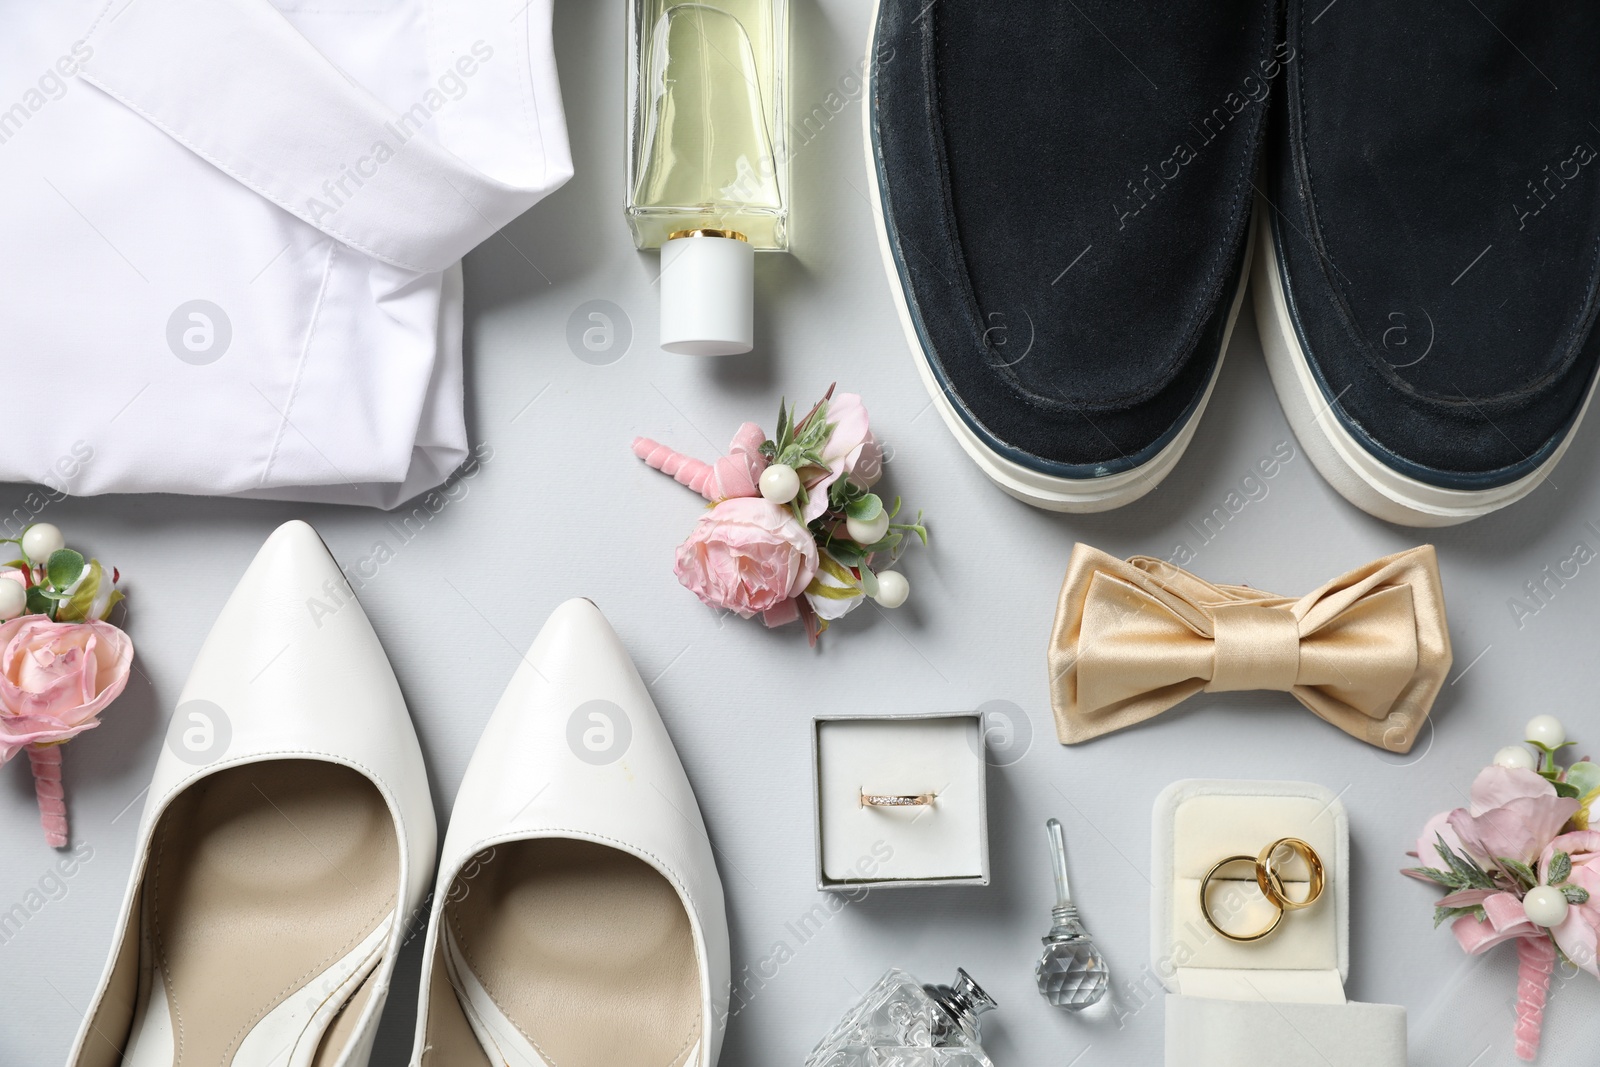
(1071, 972)
(963, 1000)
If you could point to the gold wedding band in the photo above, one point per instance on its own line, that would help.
(1205, 904)
(897, 800)
(1271, 882)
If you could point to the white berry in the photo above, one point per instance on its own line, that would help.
(13, 599)
(868, 531)
(1547, 731)
(1516, 757)
(1546, 905)
(41, 539)
(779, 483)
(892, 589)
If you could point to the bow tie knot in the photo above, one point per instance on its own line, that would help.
(1255, 647)
(1368, 652)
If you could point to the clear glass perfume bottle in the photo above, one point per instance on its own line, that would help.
(707, 165)
(1071, 972)
(902, 1023)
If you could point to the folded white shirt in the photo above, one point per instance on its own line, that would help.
(230, 251)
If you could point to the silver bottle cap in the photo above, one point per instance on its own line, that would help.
(963, 1000)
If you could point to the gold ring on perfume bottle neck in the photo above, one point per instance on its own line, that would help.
(730, 235)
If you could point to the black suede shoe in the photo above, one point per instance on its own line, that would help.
(1066, 194)
(1427, 290)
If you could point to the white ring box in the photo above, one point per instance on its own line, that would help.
(945, 843)
(1279, 1001)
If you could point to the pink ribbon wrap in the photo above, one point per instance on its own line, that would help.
(736, 474)
(1536, 957)
(46, 763)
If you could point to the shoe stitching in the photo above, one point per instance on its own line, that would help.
(1360, 433)
(461, 939)
(387, 907)
(312, 972)
(207, 771)
(1059, 405)
(466, 950)
(454, 920)
(1243, 186)
(161, 946)
(1300, 161)
(172, 997)
(901, 282)
(1214, 294)
(945, 218)
(660, 864)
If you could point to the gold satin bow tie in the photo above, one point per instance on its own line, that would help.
(1367, 652)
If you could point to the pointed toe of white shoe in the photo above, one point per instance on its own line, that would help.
(287, 835)
(578, 918)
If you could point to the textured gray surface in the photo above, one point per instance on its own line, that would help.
(561, 508)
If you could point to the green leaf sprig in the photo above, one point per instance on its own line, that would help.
(1551, 772)
(1514, 876)
(1463, 872)
(62, 587)
(799, 443)
(1560, 872)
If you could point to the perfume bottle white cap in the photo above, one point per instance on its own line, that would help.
(707, 284)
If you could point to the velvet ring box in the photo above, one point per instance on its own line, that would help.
(942, 843)
(1279, 1001)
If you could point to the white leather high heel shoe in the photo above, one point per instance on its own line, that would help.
(578, 918)
(287, 836)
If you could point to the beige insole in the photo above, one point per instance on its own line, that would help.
(585, 949)
(261, 877)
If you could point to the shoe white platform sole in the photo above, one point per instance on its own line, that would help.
(1047, 491)
(1352, 470)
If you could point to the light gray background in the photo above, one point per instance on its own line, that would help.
(562, 509)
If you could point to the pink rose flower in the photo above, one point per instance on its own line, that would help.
(1579, 934)
(56, 677)
(747, 555)
(851, 452)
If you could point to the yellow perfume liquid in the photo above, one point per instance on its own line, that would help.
(707, 98)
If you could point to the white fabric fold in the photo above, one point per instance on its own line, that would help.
(309, 139)
(233, 229)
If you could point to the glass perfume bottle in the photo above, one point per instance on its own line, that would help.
(707, 166)
(902, 1023)
(1071, 972)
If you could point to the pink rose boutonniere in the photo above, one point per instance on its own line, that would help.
(795, 530)
(747, 555)
(1522, 864)
(61, 663)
